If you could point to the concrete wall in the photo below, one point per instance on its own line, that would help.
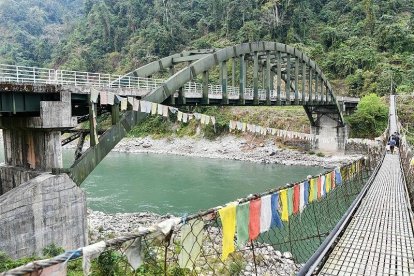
(12, 177)
(47, 209)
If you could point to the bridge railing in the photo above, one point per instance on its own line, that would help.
(204, 243)
(23, 74)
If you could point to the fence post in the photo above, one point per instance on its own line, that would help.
(254, 257)
(17, 73)
(34, 74)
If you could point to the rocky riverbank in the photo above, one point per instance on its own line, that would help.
(252, 149)
(105, 226)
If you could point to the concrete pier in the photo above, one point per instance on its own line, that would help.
(36, 207)
(332, 137)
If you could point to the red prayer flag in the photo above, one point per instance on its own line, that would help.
(319, 187)
(296, 198)
(332, 180)
(254, 221)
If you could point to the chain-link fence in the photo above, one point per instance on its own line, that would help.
(272, 233)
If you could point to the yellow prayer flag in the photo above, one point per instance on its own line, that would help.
(312, 188)
(328, 182)
(228, 222)
(284, 205)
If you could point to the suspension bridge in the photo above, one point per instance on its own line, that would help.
(368, 230)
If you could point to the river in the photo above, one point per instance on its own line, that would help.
(178, 185)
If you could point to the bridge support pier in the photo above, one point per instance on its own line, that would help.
(327, 124)
(332, 137)
(38, 208)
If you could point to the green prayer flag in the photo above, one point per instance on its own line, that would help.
(290, 201)
(242, 221)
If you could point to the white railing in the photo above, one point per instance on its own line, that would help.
(23, 74)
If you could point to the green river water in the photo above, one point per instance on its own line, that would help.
(178, 185)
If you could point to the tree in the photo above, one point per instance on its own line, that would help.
(370, 119)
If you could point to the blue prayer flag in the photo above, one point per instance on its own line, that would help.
(306, 188)
(276, 221)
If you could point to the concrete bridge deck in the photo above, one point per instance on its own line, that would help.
(379, 239)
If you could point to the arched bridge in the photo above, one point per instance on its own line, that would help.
(261, 73)
(268, 73)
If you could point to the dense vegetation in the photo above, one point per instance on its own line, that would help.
(30, 30)
(363, 46)
(405, 107)
(370, 119)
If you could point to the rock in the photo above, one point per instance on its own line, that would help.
(261, 145)
(272, 153)
(145, 146)
(287, 255)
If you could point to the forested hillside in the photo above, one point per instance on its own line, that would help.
(361, 45)
(30, 30)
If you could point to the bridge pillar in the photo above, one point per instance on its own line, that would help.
(332, 137)
(38, 208)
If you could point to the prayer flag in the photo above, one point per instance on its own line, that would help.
(301, 196)
(185, 117)
(111, 98)
(165, 111)
(290, 201)
(154, 108)
(131, 101)
(179, 116)
(160, 107)
(94, 95)
(284, 205)
(265, 214)
(104, 98)
(254, 221)
(191, 241)
(332, 176)
(296, 198)
(242, 219)
(124, 104)
(323, 186)
(244, 126)
(134, 253)
(206, 120)
(338, 177)
(276, 222)
(319, 187)
(313, 194)
(136, 105)
(306, 192)
(228, 222)
(213, 120)
(328, 182)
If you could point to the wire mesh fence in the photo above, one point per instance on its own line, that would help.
(272, 233)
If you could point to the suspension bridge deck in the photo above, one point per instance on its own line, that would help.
(379, 239)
